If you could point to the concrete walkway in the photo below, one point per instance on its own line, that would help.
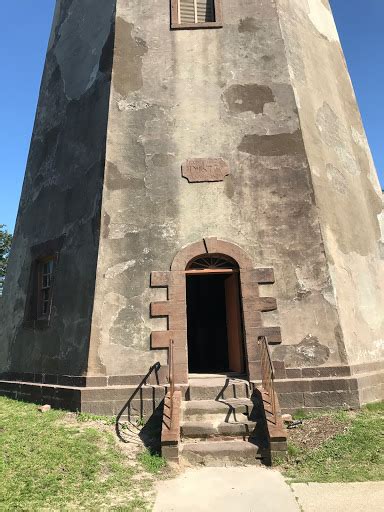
(226, 489)
(340, 497)
(258, 489)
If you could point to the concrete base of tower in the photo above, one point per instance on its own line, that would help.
(128, 401)
(324, 388)
(311, 389)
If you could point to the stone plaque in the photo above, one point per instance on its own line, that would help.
(199, 170)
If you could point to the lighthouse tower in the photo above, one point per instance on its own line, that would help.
(198, 172)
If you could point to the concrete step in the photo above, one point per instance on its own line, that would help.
(228, 453)
(217, 388)
(231, 406)
(204, 429)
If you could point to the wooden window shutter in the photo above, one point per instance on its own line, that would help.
(196, 11)
(196, 14)
(187, 11)
(205, 11)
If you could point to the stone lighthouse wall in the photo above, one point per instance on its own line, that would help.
(113, 186)
(60, 203)
(215, 93)
(346, 185)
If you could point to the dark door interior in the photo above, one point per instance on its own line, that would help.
(214, 324)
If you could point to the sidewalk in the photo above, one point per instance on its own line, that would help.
(340, 497)
(226, 489)
(258, 489)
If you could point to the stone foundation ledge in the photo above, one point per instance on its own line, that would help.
(310, 372)
(158, 377)
(319, 394)
(108, 401)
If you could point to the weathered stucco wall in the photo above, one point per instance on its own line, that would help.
(62, 192)
(347, 191)
(302, 195)
(206, 93)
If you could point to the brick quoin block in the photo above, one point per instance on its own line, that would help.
(177, 293)
(159, 279)
(160, 339)
(163, 308)
(266, 304)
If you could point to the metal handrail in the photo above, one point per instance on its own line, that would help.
(267, 373)
(127, 407)
(171, 379)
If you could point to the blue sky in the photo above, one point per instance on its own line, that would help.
(23, 41)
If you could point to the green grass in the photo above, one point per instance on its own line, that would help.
(357, 455)
(153, 463)
(84, 417)
(46, 464)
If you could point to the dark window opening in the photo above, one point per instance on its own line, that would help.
(39, 303)
(44, 287)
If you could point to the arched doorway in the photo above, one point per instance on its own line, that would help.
(214, 316)
(251, 304)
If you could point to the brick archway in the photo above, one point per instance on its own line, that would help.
(175, 308)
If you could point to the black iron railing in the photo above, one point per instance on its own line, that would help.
(131, 427)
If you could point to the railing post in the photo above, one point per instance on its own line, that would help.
(267, 373)
(171, 379)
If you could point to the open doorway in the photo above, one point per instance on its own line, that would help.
(215, 334)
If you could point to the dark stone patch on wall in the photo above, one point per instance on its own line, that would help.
(43, 148)
(106, 221)
(381, 250)
(248, 98)
(340, 345)
(248, 24)
(162, 160)
(309, 352)
(114, 179)
(273, 145)
(229, 187)
(302, 293)
(128, 59)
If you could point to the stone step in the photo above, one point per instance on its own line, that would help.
(231, 406)
(216, 418)
(228, 453)
(216, 389)
(204, 429)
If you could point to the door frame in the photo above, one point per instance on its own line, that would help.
(175, 308)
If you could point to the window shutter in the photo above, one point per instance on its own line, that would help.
(205, 11)
(187, 11)
(196, 11)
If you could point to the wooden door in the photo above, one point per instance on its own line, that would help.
(234, 327)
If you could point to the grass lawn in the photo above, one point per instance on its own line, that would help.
(61, 461)
(338, 447)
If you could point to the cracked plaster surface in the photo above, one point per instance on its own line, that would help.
(346, 186)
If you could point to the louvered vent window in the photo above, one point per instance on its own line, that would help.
(196, 13)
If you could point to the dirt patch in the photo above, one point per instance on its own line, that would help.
(314, 432)
(132, 444)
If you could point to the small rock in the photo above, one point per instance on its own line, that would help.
(44, 408)
(287, 418)
(295, 424)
